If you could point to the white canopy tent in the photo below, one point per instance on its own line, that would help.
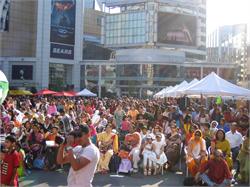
(172, 92)
(180, 92)
(160, 93)
(86, 93)
(213, 85)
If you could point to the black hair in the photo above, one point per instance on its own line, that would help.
(11, 138)
(224, 134)
(84, 129)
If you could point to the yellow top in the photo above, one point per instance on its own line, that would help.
(104, 137)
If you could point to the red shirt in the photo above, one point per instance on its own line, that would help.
(10, 162)
(217, 170)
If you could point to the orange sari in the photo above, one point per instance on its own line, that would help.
(196, 154)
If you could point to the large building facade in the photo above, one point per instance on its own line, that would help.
(229, 44)
(147, 45)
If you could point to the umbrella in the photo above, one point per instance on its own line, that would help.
(85, 92)
(63, 93)
(4, 87)
(20, 92)
(45, 92)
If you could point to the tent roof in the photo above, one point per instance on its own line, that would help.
(213, 85)
(181, 90)
(87, 93)
(172, 92)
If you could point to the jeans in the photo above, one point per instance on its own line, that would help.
(209, 182)
(235, 152)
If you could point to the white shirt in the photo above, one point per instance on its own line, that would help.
(235, 139)
(84, 176)
(158, 146)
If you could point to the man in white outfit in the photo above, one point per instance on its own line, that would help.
(82, 158)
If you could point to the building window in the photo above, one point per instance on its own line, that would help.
(203, 29)
(203, 38)
(99, 21)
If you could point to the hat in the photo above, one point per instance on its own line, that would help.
(149, 136)
(55, 126)
(158, 135)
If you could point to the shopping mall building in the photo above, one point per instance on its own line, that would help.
(127, 47)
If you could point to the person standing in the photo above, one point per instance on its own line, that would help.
(82, 158)
(10, 163)
(235, 139)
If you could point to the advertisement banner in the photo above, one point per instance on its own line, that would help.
(62, 29)
(61, 51)
(63, 21)
(176, 29)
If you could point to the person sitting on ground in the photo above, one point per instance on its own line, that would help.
(215, 172)
(244, 159)
(223, 144)
(172, 148)
(235, 139)
(133, 141)
(159, 157)
(108, 145)
(196, 152)
(147, 153)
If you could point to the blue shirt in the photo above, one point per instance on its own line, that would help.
(226, 127)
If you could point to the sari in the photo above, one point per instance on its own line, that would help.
(172, 149)
(196, 154)
(244, 160)
(109, 146)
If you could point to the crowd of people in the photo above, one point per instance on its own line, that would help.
(132, 135)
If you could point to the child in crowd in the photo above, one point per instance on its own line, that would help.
(10, 163)
(147, 154)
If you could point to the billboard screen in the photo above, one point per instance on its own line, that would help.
(62, 29)
(22, 72)
(176, 29)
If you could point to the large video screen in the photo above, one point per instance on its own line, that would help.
(22, 72)
(176, 29)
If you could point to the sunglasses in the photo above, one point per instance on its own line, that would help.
(197, 135)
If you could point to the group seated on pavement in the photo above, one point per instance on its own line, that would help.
(134, 135)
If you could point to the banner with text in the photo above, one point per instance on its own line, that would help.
(62, 29)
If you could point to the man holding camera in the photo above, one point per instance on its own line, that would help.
(82, 158)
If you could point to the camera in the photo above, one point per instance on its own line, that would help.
(62, 140)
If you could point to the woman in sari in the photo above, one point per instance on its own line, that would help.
(223, 144)
(244, 159)
(173, 145)
(196, 153)
(108, 145)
